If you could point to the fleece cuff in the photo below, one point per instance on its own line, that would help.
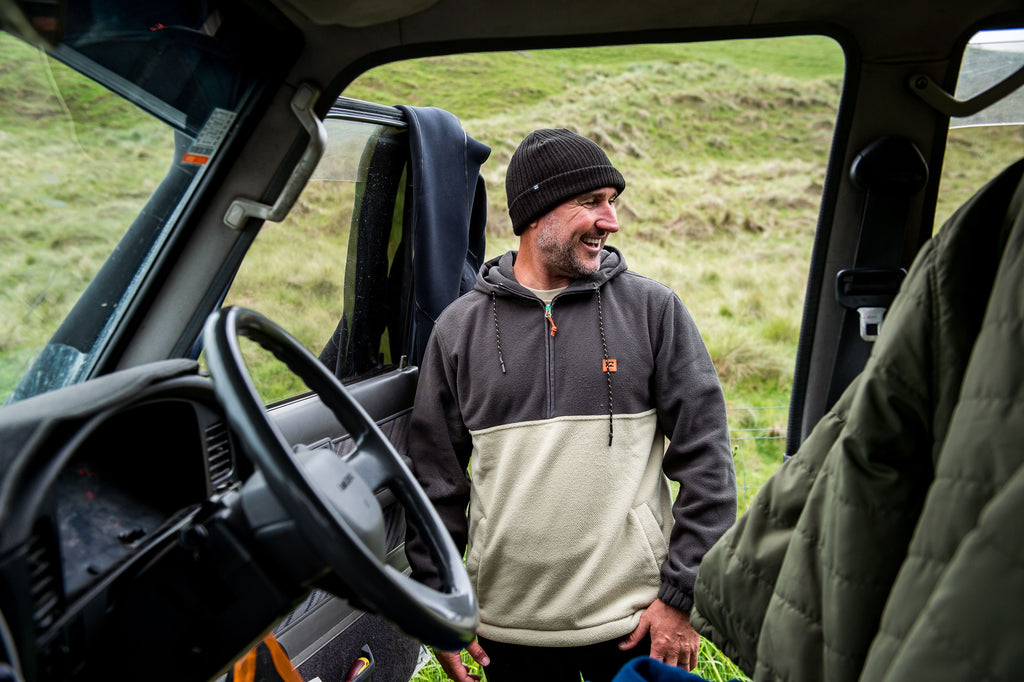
(676, 597)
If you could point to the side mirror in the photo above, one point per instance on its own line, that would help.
(39, 22)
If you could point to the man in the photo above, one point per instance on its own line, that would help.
(556, 381)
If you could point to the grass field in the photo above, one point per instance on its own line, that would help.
(724, 147)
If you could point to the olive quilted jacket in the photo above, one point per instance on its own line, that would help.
(890, 546)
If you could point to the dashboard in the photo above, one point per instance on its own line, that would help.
(100, 486)
(137, 470)
(132, 530)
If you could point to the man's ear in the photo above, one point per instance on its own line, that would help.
(530, 226)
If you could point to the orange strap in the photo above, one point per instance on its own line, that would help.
(246, 667)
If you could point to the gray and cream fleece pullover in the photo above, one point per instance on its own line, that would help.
(560, 415)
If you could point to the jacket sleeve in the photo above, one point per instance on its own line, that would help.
(439, 449)
(691, 412)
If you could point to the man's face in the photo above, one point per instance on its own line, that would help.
(570, 237)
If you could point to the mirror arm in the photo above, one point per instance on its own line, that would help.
(943, 102)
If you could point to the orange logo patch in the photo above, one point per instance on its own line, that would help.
(611, 365)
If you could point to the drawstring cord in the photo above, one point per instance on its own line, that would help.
(607, 367)
(497, 330)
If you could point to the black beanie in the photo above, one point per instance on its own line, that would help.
(550, 166)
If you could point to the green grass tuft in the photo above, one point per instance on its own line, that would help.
(712, 665)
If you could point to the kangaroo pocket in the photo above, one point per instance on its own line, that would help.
(551, 576)
(560, 538)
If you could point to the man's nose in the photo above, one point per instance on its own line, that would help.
(607, 220)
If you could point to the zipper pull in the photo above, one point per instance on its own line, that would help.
(547, 314)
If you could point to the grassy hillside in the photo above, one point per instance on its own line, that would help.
(77, 165)
(723, 147)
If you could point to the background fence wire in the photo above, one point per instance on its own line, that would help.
(758, 437)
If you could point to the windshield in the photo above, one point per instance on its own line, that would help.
(92, 187)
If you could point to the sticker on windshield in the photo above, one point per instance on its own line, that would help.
(213, 133)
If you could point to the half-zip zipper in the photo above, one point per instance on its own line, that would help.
(549, 347)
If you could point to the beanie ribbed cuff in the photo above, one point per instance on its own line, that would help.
(540, 198)
(551, 166)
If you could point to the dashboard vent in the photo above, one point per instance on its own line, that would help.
(44, 579)
(218, 456)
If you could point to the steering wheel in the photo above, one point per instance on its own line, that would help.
(445, 618)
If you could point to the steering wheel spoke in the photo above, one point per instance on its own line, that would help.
(371, 465)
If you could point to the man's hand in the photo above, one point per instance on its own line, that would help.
(453, 666)
(673, 640)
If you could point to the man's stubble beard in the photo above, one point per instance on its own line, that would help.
(562, 254)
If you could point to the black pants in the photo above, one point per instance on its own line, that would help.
(596, 662)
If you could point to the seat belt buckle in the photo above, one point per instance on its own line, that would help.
(870, 292)
(870, 322)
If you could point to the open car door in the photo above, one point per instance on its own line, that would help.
(402, 181)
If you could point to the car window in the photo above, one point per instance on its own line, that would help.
(334, 271)
(724, 146)
(66, 209)
(981, 145)
(98, 184)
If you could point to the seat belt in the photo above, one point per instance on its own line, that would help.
(890, 171)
